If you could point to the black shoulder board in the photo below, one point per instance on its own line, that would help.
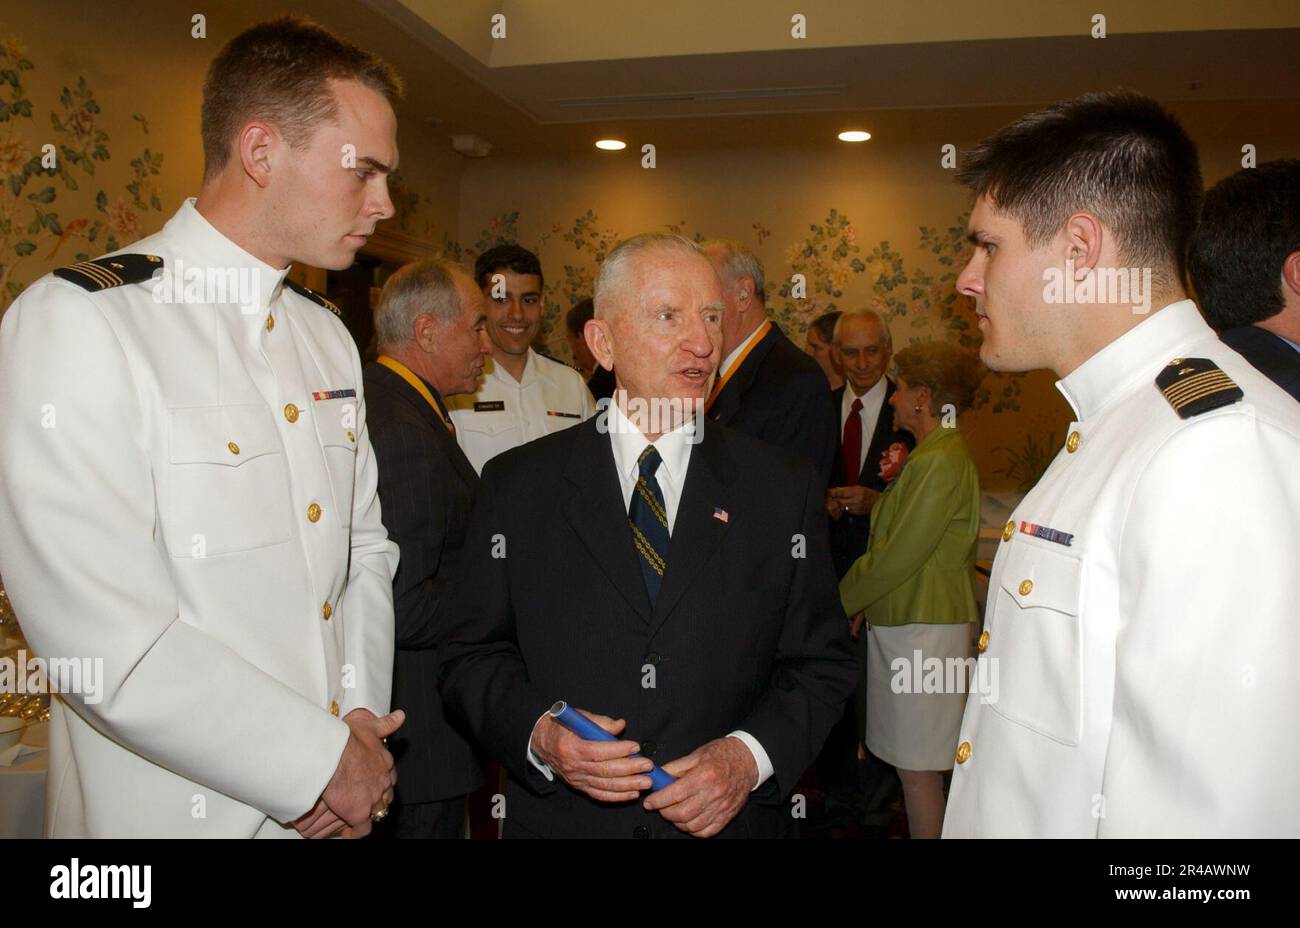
(314, 297)
(110, 271)
(550, 357)
(1196, 385)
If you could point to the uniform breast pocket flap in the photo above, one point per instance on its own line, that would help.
(488, 424)
(227, 488)
(1038, 641)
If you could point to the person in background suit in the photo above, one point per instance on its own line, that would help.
(862, 348)
(820, 342)
(1245, 267)
(862, 344)
(766, 386)
(640, 566)
(431, 327)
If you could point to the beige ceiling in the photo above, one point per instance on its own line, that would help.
(709, 73)
(543, 32)
(569, 70)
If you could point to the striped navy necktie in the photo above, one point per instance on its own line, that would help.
(649, 521)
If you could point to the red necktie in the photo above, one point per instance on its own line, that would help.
(852, 444)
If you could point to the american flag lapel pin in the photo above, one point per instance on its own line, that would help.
(720, 514)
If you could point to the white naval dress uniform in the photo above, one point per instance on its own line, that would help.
(186, 493)
(506, 413)
(1146, 680)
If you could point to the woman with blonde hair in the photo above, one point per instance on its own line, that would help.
(915, 584)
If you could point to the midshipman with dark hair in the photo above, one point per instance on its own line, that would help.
(1142, 609)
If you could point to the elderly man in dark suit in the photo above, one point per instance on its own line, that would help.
(864, 348)
(1245, 266)
(430, 325)
(766, 387)
(667, 576)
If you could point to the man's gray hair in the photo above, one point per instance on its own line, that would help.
(414, 289)
(613, 270)
(864, 313)
(739, 261)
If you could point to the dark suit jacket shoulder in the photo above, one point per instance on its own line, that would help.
(426, 492)
(779, 395)
(746, 633)
(1268, 354)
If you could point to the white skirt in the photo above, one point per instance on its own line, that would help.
(915, 701)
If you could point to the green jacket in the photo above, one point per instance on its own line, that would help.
(920, 559)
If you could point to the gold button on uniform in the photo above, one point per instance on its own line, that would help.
(1072, 443)
(327, 610)
(234, 448)
(313, 512)
(1026, 587)
(291, 412)
(963, 752)
(984, 641)
(270, 323)
(1008, 531)
(334, 709)
(351, 437)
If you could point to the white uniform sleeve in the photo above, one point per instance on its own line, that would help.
(1206, 692)
(89, 579)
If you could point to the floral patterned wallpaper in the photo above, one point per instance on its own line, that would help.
(64, 196)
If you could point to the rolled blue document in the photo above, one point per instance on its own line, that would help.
(588, 730)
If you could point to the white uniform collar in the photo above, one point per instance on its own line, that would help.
(1134, 357)
(202, 246)
(628, 442)
(532, 371)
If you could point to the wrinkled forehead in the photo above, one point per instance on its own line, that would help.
(671, 275)
(662, 277)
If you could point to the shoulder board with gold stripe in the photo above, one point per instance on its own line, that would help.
(314, 297)
(1196, 385)
(110, 271)
(550, 357)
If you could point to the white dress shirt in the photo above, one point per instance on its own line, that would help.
(674, 450)
(873, 401)
(736, 352)
(506, 413)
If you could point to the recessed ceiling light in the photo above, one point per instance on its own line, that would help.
(854, 135)
(611, 144)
